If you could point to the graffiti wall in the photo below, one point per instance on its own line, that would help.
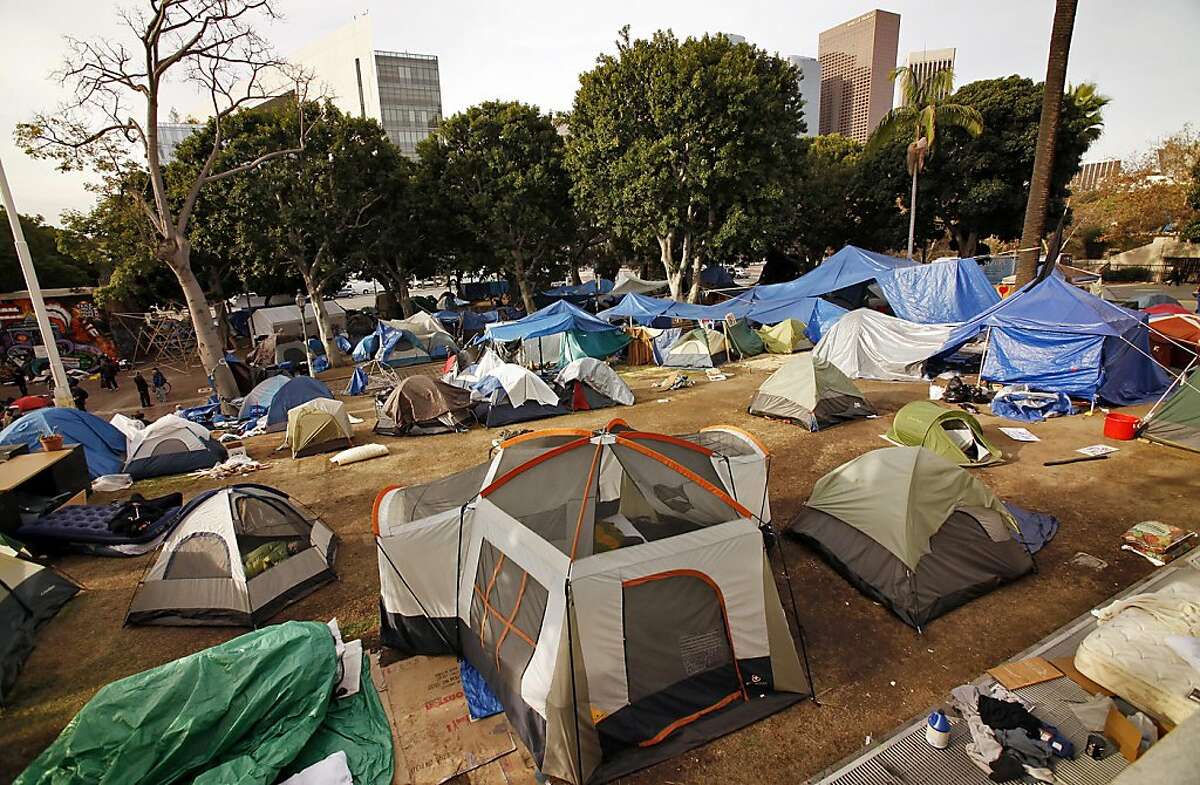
(79, 330)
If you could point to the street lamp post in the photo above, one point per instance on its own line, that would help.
(62, 390)
(300, 302)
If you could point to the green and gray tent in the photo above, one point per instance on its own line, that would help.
(785, 338)
(1176, 420)
(913, 531)
(744, 341)
(951, 433)
(811, 392)
(30, 595)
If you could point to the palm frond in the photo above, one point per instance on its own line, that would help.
(937, 86)
(896, 124)
(928, 123)
(959, 116)
(910, 87)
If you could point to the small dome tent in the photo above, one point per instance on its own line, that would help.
(294, 392)
(697, 348)
(588, 383)
(30, 595)
(421, 406)
(785, 337)
(952, 433)
(255, 403)
(511, 394)
(238, 556)
(316, 426)
(913, 531)
(1175, 419)
(172, 445)
(811, 392)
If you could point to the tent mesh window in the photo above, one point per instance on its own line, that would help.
(548, 496)
(269, 531)
(169, 447)
(507, 609)
(201, 555)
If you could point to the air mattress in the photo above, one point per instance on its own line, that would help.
(86, 526)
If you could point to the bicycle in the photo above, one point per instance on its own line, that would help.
(161, 391)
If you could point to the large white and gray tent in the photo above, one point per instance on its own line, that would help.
(588, 383)
(812, 392)
(171, 445)
(866, 344)
(612, 587)
(238, 556)
(913, 531)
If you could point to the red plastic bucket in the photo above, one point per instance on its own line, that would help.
(1120, 426)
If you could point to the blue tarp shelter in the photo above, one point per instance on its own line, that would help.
(816, 314)
(555, 318)
(645, 310)
(294, 392)
(257, 400)
(849, 269)
(103, 445)
(945, 292)
(1059, 338)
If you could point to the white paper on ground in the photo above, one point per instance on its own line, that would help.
(1097, 449)
(351, 670)
(333, 770)
(1019, 434)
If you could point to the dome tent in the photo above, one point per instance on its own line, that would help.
(238, 555)
(786, 337)
(103, 445)
(421, 406)
(30, 595)
(697, 348)
(1175, 419)
(316, 426)
(588, 383)
(172, 445)
(281, 397)
(255, 403)
(510, 394)
(612, 591)
(811, 392)
(913, 531)
(952, 433)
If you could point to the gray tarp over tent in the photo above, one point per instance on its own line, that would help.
(811, 392)
(866, 344)
(914, 531)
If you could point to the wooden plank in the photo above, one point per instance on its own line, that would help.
(1016, 675)
(432, 724)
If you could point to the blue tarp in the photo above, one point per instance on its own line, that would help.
(257, 400)
(816, 314)
(945, 292)
(850, 266)
(103, 445)
(1017, 404)
(296, 391)
(1056, 337)
(599, 286)
(551, 320)
(469, 320)
(380, 345)
(645, 310)
(358, 382)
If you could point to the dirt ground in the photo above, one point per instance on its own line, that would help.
(871, 670)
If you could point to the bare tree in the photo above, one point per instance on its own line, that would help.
(110, 124)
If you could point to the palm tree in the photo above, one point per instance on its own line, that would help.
(921, 111)
(1043, 157)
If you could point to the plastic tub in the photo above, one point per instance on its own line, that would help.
(1120, 426)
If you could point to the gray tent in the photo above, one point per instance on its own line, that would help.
(30, 595)
(588, 383)
(811, 392)
(913, 531)
(238, 555)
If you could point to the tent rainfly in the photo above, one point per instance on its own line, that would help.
(913, 531)
(172, 445)
(785, 337)
(510, 394)
(317, 426)
(811, 392)
(611, 587)
(30, 595)
(697, 348)
(238, 555)
(1175, 419)
(588, 383)
(951, 433)
(421, 406)
(866, 344)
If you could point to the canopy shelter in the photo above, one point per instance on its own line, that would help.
(103, 445)
(811, 392)
(628, 283)
(866, 344)
(391, 346)
(1059, 338)
(784, 338)
(913, 531)
(316, 426)
(1175, 339)
(951, 433)
(171, 445)
(588, 383)
(1175, 419)
(30, 595)
(611, 587)
(701, 347)
(419, 406)
(843, 277)
(238, 555)
(656, 311)
(285, 321)
(558, 317)
(944, 292)
(510, 394)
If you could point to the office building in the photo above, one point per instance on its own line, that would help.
(927, 62)
(857, 58)
(1093, 173)
(810, 90)
(399, 89)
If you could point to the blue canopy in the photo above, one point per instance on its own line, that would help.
(645, 310)
(103, 445)
(599, 286)
(850, 266)
(1057, 337)
(945, 292)
(554, 318)
(294, 392)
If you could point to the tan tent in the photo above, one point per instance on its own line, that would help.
(319, 425)
(421, 406)
(811, 392)
(611, 587)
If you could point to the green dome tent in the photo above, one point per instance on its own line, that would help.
(951, 433)
(811, 392)
(1176, 420)
(745, 341)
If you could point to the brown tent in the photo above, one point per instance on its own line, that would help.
(420, 406)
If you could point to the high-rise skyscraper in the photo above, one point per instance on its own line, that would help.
(929, 61)
(810, 90)
(399, 89)
(856, 59)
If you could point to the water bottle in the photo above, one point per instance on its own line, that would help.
(937, 732)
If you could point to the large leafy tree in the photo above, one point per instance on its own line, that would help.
(300, 214)
(499, 169)
(55, 251)
(922, 111)
(690, 145)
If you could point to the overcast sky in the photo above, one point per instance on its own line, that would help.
(1142, 54)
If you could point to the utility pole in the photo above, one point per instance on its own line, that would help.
(62, 390)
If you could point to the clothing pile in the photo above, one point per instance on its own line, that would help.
(1007, 740)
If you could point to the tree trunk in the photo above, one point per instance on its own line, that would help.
(967, 241)
(218, 292)
(673, 271)
(691, 260)
(912, 215)
(1043, 160)
(575, 279)
(178, 256)
(523, 282)
(406, 304)
(644, 271)
(324, 326)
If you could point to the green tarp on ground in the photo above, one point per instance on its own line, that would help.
(951, 433)
(1177, 419)
(240, 713)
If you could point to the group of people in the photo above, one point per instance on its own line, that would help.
(107, 371)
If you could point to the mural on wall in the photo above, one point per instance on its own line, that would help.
(79, 331)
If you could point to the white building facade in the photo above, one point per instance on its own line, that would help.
(810, 90)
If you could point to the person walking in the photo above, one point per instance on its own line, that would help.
(143, 389)
(159, 380)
